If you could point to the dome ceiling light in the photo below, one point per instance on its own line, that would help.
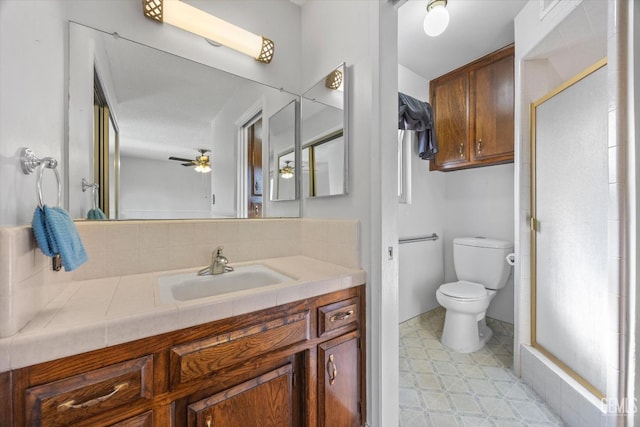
(437, 18)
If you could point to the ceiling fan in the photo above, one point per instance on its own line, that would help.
(201, 162)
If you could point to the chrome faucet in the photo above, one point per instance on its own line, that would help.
(219, 264)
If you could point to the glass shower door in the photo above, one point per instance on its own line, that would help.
(569, 227)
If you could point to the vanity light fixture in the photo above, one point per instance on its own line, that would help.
(194, 20)
(437, 18)
(287, 170)
(334, 80)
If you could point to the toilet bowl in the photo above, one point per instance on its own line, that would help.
(482, 269)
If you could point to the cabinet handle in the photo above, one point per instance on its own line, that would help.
(333, 369)
(461, 149)
(208, 421)
(341, 316)
(479, 146)
(71, 404)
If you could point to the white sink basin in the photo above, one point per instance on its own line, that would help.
(189, 286)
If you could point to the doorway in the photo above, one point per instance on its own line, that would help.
(254, 168)
(106, 152)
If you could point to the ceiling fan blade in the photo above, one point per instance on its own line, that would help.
(188, 164)
(180, 159)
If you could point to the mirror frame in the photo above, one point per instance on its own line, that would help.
(274, 158)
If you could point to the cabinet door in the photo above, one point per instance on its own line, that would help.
(339, 382)
(493, 90)
(450, 100)
(265, 401)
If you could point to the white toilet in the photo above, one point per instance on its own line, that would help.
(482, 270)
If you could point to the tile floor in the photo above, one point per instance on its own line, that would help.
(442, 388)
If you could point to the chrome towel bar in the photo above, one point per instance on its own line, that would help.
(433, 237)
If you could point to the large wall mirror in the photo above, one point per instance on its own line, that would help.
(324, 136)
(181, 139)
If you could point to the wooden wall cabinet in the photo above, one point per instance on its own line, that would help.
(473, 108)
(298, 364)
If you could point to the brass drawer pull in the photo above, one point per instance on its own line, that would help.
(208, 421)
(333, 369)
(341, 316)
(479, 146)
(461, 150)
(71, 404)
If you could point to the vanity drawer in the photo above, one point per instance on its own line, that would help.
(337, 315)
(73, 399)
(204, 357)
(142, 420)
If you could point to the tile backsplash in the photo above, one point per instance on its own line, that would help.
(27, 282)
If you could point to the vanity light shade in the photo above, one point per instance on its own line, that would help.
(334, 80)
(437, 18)
(194, 20)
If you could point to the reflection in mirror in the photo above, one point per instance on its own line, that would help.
(323, 166)
(324, 141)
(164, 106)
(283, 131)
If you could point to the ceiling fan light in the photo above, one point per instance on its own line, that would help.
(437, 18)
(286, 172)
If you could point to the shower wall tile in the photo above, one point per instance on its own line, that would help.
(616, 171)
(614, 243)
(615, 202)
(614, 266)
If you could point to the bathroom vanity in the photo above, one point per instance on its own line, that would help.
(295, 363)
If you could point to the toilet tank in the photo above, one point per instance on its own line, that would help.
(481, 260)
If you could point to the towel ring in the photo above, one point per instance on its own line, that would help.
(50, 163)
(30, 161)
(94, 190)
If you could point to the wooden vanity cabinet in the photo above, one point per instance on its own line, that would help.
(473, 109)
(298, 364)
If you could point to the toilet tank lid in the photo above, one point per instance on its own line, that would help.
(482, 242)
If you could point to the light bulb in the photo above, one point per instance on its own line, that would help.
(436, 21)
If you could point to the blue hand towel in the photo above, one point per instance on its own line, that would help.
(43, 236)
(56, 233)
(96, 214)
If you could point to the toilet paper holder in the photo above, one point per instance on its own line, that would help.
(511, 259)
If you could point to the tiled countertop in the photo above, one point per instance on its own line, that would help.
(93, 314)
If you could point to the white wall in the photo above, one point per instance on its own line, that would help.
(421, 269)
(32, 101)
(157, 189)
(364, 35)
(479, 202)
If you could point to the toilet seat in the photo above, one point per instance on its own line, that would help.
(463, 290)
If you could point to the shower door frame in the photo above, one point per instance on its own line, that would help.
(534, 227)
